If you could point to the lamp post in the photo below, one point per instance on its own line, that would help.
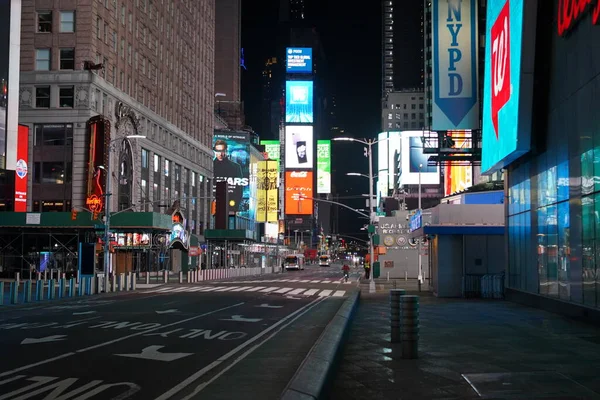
(420, 240)
(107, 203)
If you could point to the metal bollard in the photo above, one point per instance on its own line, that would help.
(51, 289)
(395, 314)
(39, 290)
(409, 328)
(189, 276)
(1, 293)
(80, 286)
(45, 275)
(148, 278)
(120, 283)
(71, 291)
(134, 284)
(18, 278)
(14, 292)
(27, 294)
(92, 284)
(127, 281)
(61, 288)
(39, 276)
(166, 276)
(113, 284)
(180, 276)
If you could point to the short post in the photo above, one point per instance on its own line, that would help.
(388, 276)
(113, 284)
(93, 284)
(189, 276)
(80, 286)
(148, 278)
(409, 326)
(395, 314)
(134, 283)
(51, 289)
(14, 292)
(39, 290)
(180, 276)
(405, 275)
(121, 281)
(61, 288)
(1, 293)
(71, 291)
(45, 275)
(39, 276)
(27, 294)
(127, 281)
(18, 278)
(166, 276)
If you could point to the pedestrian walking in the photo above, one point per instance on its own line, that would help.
(367, 270)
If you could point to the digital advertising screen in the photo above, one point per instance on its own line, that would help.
(299, 147)
(299, 102)
(458, 178)
(505, 135)
(232, 164)
(272, 148)
(324, 166)
(415, 162)
(4, 59)
(298, 60)
(267, 192)
(298, 192)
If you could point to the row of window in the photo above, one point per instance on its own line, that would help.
(405, 116)
(66, 21)
(405, 106)
(66, 96)
(406, 125)
(66, 59)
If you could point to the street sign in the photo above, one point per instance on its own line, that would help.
(381, 213)
(99, 226)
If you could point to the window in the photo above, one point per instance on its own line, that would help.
(42, 96)
(105, 32)
(122, 48)
(98, 25)
(44, 21)
(413, 106)
(167, 164)
(53, 135)
(42, 60)
(129, 54)
(67, 58)
(130, 23)
(67, 21)
(144, 158)
(123, 15)
(121, 80)
(66, 96)
(115, 42)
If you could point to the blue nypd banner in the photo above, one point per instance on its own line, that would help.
(455, 102)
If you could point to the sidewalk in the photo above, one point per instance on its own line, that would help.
(506, 350)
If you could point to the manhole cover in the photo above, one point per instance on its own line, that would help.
(513, 385)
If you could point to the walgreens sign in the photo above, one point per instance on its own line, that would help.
(571, 11)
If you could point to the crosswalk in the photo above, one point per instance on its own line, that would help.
(329, 281)
(288, 291)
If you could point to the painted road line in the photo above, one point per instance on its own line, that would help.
(254, 289)
(284, 290)
(310, 292)
(72, 353)
(212, 289)
(282, 324)
(339, 293)
(305, 281)
(315, 281)
(226, 289)
(325, 293)
(241, 288)
(297, 291)
(328, 282)
(269, 289)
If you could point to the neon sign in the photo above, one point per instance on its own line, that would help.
(94, 203)
(570, 11)
(500, 64)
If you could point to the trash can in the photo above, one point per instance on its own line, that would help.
(376, 269)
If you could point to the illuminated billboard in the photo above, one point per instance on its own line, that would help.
(21, 169)
(299, 147)
(99, 134)
(507, 87)
(414, 162)
(388, 145)
(324, 166)
(299, 102)
(458, 178)
(267, 192)
(455, 103)
(232, 164)
(298, 60)
(298, 192)
(272, 148)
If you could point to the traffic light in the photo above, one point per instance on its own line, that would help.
(73, 215)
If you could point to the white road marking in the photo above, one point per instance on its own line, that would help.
(315, 281)
(212, 289)
(269, 289)
(254, 289)
(325, 293)
(327, 281)
(241, 288)
(296, 291)
(339, 293)
(284, 290)
(305, 281)
(226, 289)
(310, 292)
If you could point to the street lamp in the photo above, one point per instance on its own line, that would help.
(107, 203)
(369, 143)
(420, 240)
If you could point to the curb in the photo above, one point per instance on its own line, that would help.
(311, 379)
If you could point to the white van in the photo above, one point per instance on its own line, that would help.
(294, 261)
(324, 261)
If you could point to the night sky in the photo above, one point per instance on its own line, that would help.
(351, 38)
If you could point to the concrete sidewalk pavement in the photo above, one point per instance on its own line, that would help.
(469, 349)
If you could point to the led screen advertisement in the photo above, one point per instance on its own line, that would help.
(4, 46)
(267, 192)
(272, 148)
(21, 169)
(299, 102)
(298, 193)
(232, 164)
(458, 178)
(506, 136)
(415, 162)
(299, 147)
(455, 103)
(298, 60)
(324, 166)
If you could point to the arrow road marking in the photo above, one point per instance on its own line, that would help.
(53, 338)
(152, 353)
(265, 305)
(172, 310)
(293, 298)
(84, 312)
(241, 319)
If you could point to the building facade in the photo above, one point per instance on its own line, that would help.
(403, 110)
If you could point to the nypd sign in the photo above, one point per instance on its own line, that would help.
(455, 102)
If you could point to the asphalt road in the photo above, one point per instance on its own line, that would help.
(208, 340)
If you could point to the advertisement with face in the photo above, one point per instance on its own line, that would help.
(299, 102)
(267, 192)
(415, 162)
(231, 164)
(298, 192)
(299, 147)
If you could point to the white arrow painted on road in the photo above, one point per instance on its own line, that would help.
(152, 353)
(53, 338)
(293, 298)
(265, 305)
(84, 312)
(172, 310)
(242, 319)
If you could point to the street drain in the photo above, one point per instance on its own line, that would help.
(514, 385)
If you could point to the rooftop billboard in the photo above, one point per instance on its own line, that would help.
(298, 60)
(299, 102)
